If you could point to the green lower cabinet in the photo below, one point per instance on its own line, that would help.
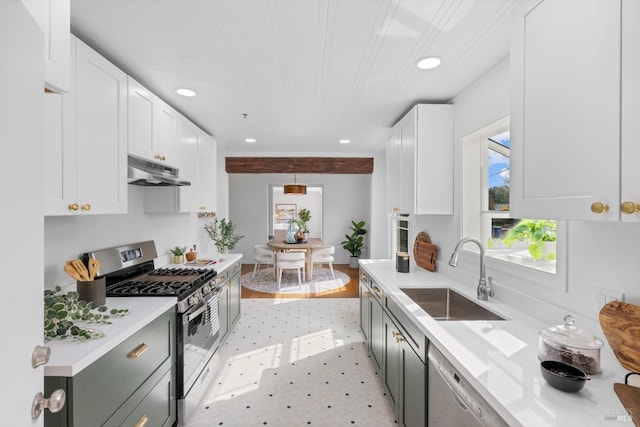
(138, 375)
(377, 332)
(229, 300)
(404, 376)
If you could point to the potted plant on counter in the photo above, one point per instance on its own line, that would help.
(539, 234)
(354, 242)
(223, 234)
(178, 254)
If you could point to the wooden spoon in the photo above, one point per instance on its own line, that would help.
(68, 268)
(94, 266)
(80, 268)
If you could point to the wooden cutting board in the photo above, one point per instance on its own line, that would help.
(630, 398)
(621, 326)
(425, 253)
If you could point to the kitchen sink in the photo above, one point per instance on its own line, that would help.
(447, 304)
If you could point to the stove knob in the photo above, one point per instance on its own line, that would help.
(206, 289)
(193, 300)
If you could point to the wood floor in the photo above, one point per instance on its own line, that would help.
(350, 290)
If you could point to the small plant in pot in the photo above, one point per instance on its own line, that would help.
(304, 216)
(354, 242)
(223, 234)
(178, 254)
(540, 234)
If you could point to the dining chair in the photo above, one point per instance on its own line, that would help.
(262, 254)
(322, 255)
(291, 260)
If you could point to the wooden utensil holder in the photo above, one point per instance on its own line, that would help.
(94, 291)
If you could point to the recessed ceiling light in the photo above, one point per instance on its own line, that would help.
(345, 141)
(186, 92)
(250, 140)
(429, 62)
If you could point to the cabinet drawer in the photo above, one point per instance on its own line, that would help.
(416, 339)
(100, 389)
(157, 406)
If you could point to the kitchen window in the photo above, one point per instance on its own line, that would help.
(486, 217)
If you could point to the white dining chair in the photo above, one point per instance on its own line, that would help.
(291, 260)
(322, 255)
(262, 254)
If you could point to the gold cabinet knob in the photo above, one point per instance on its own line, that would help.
(74, 207)
(629, 207)
(86, 207)
(599, 207)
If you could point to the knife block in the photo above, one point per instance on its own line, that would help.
(94, 291)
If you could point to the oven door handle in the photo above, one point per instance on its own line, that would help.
(197, 312)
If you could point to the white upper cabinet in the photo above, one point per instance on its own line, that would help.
(86, 139)
(420, 161)
(153, 132)
(196, 155)
(207, 166)
(571, 62)
(53, 17)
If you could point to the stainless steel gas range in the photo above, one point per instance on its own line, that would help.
(130, 271)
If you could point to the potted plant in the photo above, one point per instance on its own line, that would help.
(178, 254)
(540, 234)
(303, 218)
(354, 242)
(223, 234)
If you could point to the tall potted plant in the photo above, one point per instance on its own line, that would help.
(223, 234)
(354, 242)
(303, 218)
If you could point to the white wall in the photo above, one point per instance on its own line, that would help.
(345, 198)
(599, 254)
(69, 237)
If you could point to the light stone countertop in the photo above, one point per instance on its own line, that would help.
(500, 358)
(69, 357)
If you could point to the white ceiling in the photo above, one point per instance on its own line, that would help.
(306, 72)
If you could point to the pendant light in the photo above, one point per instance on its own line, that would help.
(295, 188)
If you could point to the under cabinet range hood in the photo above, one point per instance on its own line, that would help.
(148, 173)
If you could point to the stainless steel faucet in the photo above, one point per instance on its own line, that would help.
(485, 285)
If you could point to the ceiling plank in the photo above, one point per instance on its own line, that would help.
(329, 165)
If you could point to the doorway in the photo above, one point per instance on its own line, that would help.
(284, 207)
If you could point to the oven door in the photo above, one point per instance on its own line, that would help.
(200, 337)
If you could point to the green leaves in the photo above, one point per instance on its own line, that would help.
(354, 242)
(61, 311)
(536, 232)
(223, 234)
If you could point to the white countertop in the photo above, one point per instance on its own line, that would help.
(69, 357)
(500, 358)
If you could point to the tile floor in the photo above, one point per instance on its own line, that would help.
(295, 362)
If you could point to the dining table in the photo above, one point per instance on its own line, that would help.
(306, 246)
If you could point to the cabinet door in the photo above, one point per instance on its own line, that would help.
(206, 173)
(101, 132)
(142, 116)
(168, 140)
(565, 123)
(394, 159)
(407, 162)
(234, 298)
(413, 396)
(434, 160)
(223, 311)
(377, 332)
(188, 161)
(59, 169)
(365, 314)
(391, 362)
(630, 110)
(54, 17)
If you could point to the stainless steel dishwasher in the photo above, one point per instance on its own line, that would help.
(452, 400)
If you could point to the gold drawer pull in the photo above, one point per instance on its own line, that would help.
(74, 207)
(139, 351)
(599, 207)
(142, 421)
(86, 207)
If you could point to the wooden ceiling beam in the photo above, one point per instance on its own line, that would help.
(327, 165)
